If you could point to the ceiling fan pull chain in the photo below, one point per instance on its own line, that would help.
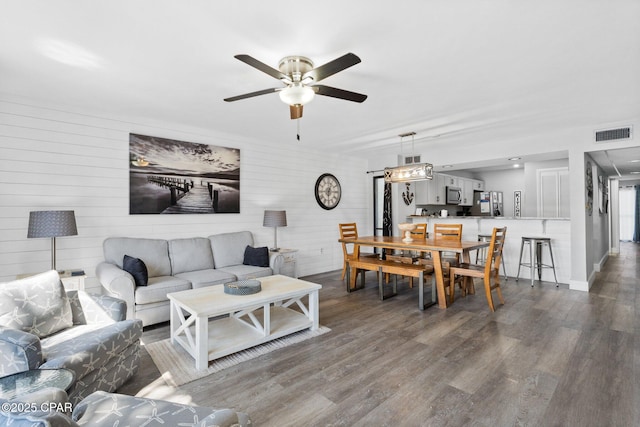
(298, 124)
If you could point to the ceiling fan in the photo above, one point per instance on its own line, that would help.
(299, 78)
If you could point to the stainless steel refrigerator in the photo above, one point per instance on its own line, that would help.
(487, 203)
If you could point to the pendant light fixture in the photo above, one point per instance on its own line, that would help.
(406, 173)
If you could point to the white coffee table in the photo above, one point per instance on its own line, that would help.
(252, 319)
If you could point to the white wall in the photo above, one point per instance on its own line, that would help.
(599, 223)
(54, 159)
(400, 209)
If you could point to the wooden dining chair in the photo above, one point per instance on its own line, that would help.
(420, 232)
(489, 272)
(409, 257)
(350, 231)
(449, 232)
(446, 232)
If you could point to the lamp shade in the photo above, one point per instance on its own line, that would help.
(52, 224)
(275, 219)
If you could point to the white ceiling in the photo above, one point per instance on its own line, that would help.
(452, 71)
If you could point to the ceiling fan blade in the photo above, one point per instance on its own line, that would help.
(295, 111)
(262, 67)
(332, 67)
(252, 94)
(339, 93)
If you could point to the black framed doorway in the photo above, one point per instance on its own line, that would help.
(382, 213)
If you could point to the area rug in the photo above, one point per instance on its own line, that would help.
(178, 367)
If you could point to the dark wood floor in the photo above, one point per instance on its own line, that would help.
(548, 357)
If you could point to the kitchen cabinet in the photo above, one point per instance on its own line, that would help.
(467, 187)
(422, 191)
(434, 192)
(431, 192)
(450, 181)
(478, 185)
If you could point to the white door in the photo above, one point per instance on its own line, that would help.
(553, 192)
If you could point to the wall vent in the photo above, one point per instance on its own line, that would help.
(408, 160)
(613, 134)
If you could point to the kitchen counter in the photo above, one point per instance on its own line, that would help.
(558, 229)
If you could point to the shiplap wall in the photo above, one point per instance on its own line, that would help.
(52, 158)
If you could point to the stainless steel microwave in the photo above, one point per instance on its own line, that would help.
(454, 195)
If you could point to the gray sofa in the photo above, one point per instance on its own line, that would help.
(44, 327)
(176, 265)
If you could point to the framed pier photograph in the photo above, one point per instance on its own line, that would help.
(167, 176)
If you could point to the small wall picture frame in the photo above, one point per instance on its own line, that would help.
(517, 204)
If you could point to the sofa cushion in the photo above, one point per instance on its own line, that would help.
(153, 252)
(258, 257)
(228, 248)
(202, 278)
(136, 268)
(158, 288)
(244, 272)
(37, 304)
(190, 255)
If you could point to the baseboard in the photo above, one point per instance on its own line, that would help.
(581, 285)
(598, 266)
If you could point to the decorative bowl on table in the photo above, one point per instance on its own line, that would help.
(407, 228)
(243, 287)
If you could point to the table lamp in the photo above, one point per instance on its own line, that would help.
(275, 219)
(52, 224)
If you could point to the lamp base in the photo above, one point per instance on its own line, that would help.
(274, 249)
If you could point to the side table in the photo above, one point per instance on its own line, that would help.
(290, 265)
(20, 383)
(70, 281)
(73, 282)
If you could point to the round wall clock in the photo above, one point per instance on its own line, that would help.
(328, 191)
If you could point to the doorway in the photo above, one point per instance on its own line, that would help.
(382, 224)
(628, 202)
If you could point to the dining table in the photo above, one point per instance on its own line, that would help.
(433, 246)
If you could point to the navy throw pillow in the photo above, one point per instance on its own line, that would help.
(137, 269)
(258, 257)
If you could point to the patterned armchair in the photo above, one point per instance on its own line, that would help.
(44, 327)
(102, 409)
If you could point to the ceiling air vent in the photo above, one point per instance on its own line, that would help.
(613, 134)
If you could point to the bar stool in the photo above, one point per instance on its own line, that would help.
(538, 243)
(481, 254)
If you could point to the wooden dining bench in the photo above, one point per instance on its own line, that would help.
(388, 267)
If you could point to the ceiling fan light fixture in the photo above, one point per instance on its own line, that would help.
(297, 95)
